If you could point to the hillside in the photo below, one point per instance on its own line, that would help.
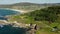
(47, 20)
(28, 6)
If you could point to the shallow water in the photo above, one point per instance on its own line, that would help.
(5, 12)
(9, 29)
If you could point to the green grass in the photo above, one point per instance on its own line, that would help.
(43, 24)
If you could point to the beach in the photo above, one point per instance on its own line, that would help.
(21, 11)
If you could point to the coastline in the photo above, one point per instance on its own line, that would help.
(21, 11)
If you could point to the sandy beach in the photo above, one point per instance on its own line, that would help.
(21, 11)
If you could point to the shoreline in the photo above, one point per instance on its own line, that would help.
(21, 11)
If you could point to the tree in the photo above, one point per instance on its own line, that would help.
(48, 14)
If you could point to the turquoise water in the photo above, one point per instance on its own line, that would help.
(6, 12)
(9, 29)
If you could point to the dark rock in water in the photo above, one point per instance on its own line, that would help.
(2, 18)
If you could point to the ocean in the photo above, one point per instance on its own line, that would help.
(6, 12)
(9, 29)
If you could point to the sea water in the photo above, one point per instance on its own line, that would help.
(6, 12)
